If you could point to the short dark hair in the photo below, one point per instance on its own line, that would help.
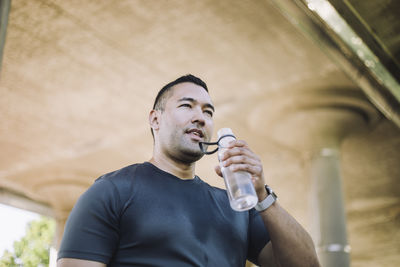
(162, 96)
(159, 102)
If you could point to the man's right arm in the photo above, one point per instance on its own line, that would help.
(69, 262)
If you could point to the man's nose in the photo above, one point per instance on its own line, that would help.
(198, 117)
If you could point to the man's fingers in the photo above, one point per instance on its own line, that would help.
(218, 170)
(238, 151)
(238, 143)
(240, 159)
(254, 170)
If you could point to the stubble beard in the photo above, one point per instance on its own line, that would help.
(185, 150)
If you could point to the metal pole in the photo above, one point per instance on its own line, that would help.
(328, 209)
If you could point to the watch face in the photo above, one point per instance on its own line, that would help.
(270, 191)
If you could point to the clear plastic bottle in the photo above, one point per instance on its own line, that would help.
(240, 188)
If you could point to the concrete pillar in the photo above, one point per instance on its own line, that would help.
(329, 229)
(315, 123)
(328, 220)
(61, 219)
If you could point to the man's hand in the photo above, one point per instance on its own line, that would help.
(239, 157)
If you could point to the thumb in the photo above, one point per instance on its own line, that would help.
(218, 170)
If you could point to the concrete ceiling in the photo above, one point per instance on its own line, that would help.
(377, 23)
(79, 78)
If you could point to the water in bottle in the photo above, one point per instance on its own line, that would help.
(240, 188)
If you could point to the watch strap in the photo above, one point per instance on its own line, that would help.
(268, 201)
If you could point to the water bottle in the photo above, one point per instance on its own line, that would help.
(240, 188)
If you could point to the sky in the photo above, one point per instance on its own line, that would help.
(13, 224)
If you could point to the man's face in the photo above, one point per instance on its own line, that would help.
(186, 120)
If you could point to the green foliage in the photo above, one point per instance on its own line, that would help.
(33, 249)
(7, 259)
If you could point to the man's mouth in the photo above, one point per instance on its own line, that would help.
(196, 132)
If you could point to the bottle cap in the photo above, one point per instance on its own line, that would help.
(224, 131)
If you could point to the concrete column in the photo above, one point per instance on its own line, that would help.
(315, 122)
(61, 219)
(329, 229)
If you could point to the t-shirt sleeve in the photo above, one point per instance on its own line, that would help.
(258, 236)
(91, 231)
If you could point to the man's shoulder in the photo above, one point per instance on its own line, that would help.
(120, 174)
(120, 182)
(127, 176)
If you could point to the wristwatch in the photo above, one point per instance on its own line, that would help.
(268, 201)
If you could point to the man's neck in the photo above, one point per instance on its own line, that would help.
(179, 169)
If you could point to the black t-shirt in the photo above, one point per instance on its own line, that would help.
(143, 216)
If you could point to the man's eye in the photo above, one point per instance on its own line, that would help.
(210, 113)
(185, 105)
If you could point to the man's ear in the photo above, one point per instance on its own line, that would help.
(154, 119)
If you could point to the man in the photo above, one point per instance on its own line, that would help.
(159, 213)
